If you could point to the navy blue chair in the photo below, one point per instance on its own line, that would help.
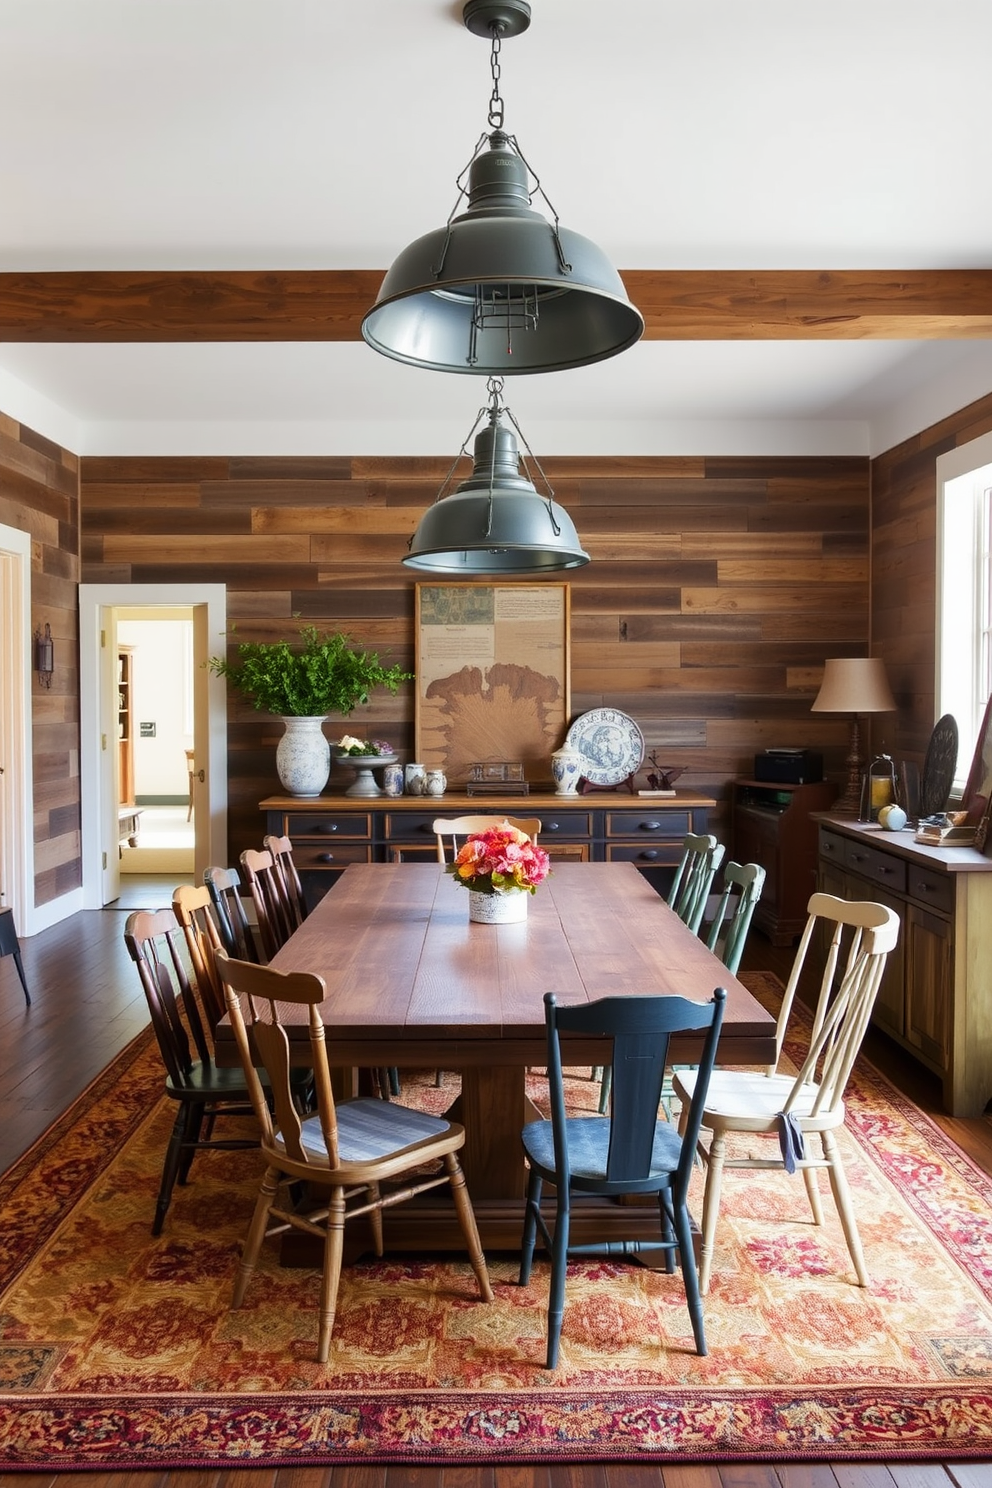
(629, 1151)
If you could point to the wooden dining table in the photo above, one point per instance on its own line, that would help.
(413, 983)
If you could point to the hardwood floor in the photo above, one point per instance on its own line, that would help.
(87, 1005)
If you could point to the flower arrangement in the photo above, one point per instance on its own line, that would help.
(501, 860)
(367, 747)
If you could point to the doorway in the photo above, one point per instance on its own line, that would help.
(105, 610)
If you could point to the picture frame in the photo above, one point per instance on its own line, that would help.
(977, 799)
(492, 675)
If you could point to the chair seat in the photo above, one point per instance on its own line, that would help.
(753, 1101)
(211, 1081)
(369, 1130)
(588, 1147)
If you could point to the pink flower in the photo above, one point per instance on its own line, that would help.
(500, 860)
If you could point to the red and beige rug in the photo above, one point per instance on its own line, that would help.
(118, 1351)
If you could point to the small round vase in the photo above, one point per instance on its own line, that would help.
(303, 757)
(497, 909)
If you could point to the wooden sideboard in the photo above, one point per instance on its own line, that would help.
(935, 997)
(332, 831)
(773, 826)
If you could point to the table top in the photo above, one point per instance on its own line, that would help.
(400, 957)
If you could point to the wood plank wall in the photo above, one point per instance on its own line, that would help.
(39, 494)
(904, 570)
(717, 586)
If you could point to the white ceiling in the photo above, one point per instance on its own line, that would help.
(194, 134)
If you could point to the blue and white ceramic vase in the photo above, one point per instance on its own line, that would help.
(303, 757)
(566, 767)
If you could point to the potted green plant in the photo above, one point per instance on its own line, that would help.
(301, 682)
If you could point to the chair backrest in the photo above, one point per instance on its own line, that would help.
(292, 889)
(252, 995)
(641, 1028)
(839, 1027)
(262, 877)
(701, 857)
(224, 887)
(153, 940)
(727, 932)
(451, 832)
(853, 927)
(194, 909)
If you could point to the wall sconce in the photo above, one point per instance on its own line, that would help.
(44, 655)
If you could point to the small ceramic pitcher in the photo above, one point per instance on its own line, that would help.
(392, 780)
(435, 783)
(413, 775)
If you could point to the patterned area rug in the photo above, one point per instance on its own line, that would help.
(118, 1351)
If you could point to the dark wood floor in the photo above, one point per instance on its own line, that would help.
(87, 1005)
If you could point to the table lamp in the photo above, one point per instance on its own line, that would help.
(854, 685)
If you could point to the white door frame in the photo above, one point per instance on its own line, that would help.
(98, 723)
(16, 757)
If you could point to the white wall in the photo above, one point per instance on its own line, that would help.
(163, 653)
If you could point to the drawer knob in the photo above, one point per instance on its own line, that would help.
(858, 858)
(552, 826)
(650, 852)
(650, 826)
(325, 857)
(327, 826)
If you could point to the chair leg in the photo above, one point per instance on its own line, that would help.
(689, 1278)
(711, 1208)
(534, 1186)
(842, 1198)
(667, 1230)
(605, 1089)
(331, 1275)
(811, 1178)
(20, 972)
(469, 1228)
(256, 1234)
(192, 1132)
(173, 1154)
(559, 1271)
(375, 1219)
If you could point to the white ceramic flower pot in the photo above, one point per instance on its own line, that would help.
(497, 909)
(303, 757)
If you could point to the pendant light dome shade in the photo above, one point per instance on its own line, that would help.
(499, 291)
(496, 521)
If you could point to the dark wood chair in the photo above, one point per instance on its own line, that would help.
(224, 887)
(197, 916)
(199, 1087)
(293, 896)
(349, 1147)
(275, 924)
(630, 1151)
(11, 946)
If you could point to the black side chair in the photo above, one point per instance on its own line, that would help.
(224, 885)
(630, 1151)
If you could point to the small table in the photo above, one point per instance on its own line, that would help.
(128, 826)
(10, 946)
(412, 983)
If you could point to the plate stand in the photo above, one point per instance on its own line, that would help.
(587, 789)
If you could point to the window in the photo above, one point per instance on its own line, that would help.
(964, 591)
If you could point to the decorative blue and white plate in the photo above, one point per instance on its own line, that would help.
(611, 745)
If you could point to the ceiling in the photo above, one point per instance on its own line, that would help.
(310, 134)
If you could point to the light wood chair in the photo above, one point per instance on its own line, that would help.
(451, 832)
(799, 1114)
(348, 1147)
(200, 1088)
(224, 887)
(275, 923)
(293, 896)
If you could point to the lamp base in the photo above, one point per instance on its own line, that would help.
(849, 804)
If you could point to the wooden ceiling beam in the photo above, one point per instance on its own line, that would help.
(328, 305)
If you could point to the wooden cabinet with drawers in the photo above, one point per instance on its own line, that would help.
(773, 826)
(936, 996)
(329, 833)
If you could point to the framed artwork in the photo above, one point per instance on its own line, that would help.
(977, 798)
(492, 666)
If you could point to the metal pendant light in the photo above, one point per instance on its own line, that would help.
(500, 289)
(496, 521)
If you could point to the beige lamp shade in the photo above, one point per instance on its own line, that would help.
(854, 684)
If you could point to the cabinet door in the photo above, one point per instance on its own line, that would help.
(890, 1005)
(928, 953)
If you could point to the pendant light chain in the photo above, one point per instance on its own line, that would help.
(495, 101)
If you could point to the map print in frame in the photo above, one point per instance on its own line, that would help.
(492, 676)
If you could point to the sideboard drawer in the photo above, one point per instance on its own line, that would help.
(298, 825)
(309, 856)
(935, 890)
(832, 846)
(411, 826)
(572, 824)
(645, 854)
(879, 866)
(671, 825)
